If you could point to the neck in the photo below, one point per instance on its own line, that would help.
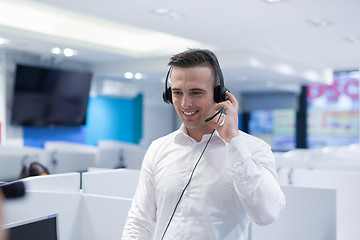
(198, 134)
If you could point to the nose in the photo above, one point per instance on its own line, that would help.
(186, 101)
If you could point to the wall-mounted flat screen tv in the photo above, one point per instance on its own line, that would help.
(49, 97)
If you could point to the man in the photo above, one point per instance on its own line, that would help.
(207, 180)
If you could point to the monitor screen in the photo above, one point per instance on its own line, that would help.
(276, 127)
(42, 228)
(49, 97)
(333, 111)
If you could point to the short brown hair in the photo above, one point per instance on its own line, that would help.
(195, 58)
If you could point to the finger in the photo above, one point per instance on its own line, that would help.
(221, 120)
(229, 96)
(218, 121)
(232, 100)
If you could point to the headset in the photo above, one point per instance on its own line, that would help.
(219, 90)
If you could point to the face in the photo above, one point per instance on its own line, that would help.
(193, 97)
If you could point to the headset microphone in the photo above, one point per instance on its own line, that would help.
(221, 111)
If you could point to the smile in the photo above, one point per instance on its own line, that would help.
(189, 113)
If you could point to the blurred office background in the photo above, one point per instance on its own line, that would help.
(81, 86)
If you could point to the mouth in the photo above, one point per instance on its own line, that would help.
(190, 113)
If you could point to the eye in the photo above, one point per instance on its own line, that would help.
(196, 93)
(176, 92)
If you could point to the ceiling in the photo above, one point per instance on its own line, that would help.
(260, 45)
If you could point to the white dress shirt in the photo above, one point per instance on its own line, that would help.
(233, 184)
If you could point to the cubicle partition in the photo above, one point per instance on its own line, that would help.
(348, 194)
(91, 213)
(310, 214)
(99, 209)
(116, 182)
(46, 195)
(103, 217)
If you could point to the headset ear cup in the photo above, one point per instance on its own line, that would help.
(219, 95)
(167, 97)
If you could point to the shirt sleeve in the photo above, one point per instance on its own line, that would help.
(255, 179)
(141, 218)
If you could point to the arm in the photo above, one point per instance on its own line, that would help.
(253, 165)
(255, 179)
(142, 214)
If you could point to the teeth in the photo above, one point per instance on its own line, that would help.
(189, 113)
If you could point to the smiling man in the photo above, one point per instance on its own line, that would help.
(206, 180)
(192, 96)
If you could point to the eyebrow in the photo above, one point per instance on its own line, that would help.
(192, 89)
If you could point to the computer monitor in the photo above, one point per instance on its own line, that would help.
(41, 228)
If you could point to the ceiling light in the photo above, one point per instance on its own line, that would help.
(167, 13)
(175, 15)
(68, 52)
(56, 50)
(161, 11)
(138, 76)
(254, 62)
(3, 41)
(311, 75)
(273, 1)
(353, 39)
(44, 21)
(128, 75)
(319, 22)
(285, 69)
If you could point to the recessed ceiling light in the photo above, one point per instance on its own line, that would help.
(138, 76)
(273, 1)
(319, 22)
(68, 52)
(3, 41)
(161, 11)
(56, 51)
(128, 75)
(352, 39)
(167, 13)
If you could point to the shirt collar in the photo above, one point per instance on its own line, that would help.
(182, 137)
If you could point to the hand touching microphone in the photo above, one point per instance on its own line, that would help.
(227, 128)
(221, 111)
